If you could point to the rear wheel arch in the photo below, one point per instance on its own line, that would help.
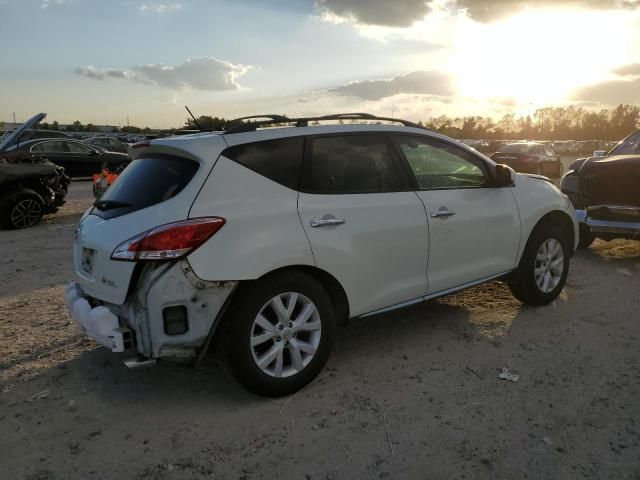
(333, 287)
(329, 282)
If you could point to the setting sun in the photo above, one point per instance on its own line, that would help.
(539, 57)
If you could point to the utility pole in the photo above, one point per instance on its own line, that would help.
(14, 117)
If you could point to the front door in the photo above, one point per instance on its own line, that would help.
(363, 223)
(474, 229)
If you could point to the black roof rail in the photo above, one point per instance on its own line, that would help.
(238, 125)
(304, 121)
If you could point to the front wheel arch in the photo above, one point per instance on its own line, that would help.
(558, 219)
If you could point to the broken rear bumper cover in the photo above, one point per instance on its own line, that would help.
(139, 324)
(99, 323)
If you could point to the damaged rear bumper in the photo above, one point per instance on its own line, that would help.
(140, 324)
(99, 322)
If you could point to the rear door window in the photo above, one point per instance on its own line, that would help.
(144, 183)
(78, 148)
(344, 164)
(279, 160)
(50, 147)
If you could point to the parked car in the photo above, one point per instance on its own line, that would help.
(605, 191)
(270, 236)
(108, 143)
(77, 158)
(28, 190)
(530, 157)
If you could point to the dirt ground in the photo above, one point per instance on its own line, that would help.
(412, 394)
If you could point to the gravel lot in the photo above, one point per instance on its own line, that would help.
(412, 394)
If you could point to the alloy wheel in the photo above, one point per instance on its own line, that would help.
(285, 335)
(26, 213)
(549, 265)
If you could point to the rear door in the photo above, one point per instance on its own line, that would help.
(55, 151)
(85, 160)
(474, 229)
(364, 223)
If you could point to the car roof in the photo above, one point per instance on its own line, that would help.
(52, 139)
(193, 143)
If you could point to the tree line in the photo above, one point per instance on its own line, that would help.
(549, 123)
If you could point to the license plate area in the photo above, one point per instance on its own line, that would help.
(86, 261)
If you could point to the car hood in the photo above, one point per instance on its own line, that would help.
(20, 171)
(538, 177)
(13, 137)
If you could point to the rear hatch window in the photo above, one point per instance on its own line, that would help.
(144, 183)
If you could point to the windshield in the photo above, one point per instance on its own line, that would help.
(516, 148)
(628, 146)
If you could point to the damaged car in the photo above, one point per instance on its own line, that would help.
(29, 188)
(268, 234)
(605, 191)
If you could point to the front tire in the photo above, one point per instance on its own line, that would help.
(279, 333)
(543, 268)
(22, 209)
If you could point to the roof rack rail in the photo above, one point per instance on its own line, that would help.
(238, 125)
(242, 126)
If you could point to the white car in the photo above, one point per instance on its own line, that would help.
(272, 231)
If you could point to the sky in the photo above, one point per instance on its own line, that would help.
(140, 61)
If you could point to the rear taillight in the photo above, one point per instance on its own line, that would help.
(168, 242)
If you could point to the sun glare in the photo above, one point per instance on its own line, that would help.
(539, 57)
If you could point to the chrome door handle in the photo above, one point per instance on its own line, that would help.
(323, 222)
(442, 212)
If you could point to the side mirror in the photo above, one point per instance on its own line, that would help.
(505, 176)
(600, 153)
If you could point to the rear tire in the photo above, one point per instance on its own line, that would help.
(279, 333)
(22, 209)
(544, 266)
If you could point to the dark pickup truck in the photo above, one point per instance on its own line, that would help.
(605, 191)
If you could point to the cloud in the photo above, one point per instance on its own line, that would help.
(612, 92)
(630, 70)
(50, 3)
(417, 82)
(387, 13)
(100, 74)
(490, 10)
(206, 73)
(159, 7)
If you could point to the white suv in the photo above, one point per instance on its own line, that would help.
(272, 231)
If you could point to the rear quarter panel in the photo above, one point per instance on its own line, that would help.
(262, 231)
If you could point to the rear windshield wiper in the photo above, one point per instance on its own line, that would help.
(110, 204)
